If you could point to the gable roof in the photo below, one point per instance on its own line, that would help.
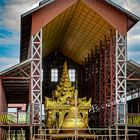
(26, 23)
(121, 9)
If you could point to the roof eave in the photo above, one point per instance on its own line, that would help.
(130, 15)
(15, 67)
(133, 63)
(37, 8)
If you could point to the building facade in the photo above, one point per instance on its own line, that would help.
(92, 37)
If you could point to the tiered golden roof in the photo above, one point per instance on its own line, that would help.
(64, 88)
(65, 110)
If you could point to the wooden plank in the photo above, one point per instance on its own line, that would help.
(17, 82)
(21, 78)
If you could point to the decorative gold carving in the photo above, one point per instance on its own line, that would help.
(65, 110)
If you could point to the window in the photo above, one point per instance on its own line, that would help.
(54, 75)
(72, 75)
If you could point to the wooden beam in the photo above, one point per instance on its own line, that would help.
(16, 88)
(16, 78)
(133, 79)
(131, 74)
(24, 72)
(16, 82)
(16, 85)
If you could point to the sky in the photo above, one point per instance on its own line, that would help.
(11, 10)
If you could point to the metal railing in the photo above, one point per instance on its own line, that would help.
(16, 135)
(133, 118)
(7, 118)
(24, 118)
(94, 134)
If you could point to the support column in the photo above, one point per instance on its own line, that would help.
(1, 93)
(112, 76)
(109, 79)
(36, 82)
(94, 112)
(3, 106)
(96, 87)
(0, 105)
(120, 78)
(3, 102)
(107, 83)
(138, 111)
(101, 84)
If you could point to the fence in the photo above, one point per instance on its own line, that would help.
(134, 119)
(14, 118)
(94, 134)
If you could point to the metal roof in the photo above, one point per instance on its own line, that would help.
(133, 76)
(41, 4)
(46, 2)
(15, 67)
(16, 82)
(26, 21)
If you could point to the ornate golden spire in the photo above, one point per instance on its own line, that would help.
(65, 75)
(64, 87)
